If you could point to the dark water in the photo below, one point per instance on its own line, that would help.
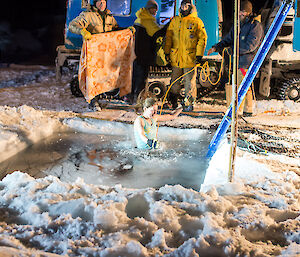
(110, 160)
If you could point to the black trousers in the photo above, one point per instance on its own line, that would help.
(139, 78)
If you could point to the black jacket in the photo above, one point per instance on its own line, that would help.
(145, 46)
(251, 35)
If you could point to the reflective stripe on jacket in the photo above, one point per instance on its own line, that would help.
(185, 39)
(92, 21)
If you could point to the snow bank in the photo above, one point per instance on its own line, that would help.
(248, 218)
(21, 127)
(248, 170)
(94, 126)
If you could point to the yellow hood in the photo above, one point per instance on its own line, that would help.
(146, 20)
(185, 39)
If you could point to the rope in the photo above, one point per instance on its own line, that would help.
(268, 145)
(249, 146)
(205, 71)
(165, 97)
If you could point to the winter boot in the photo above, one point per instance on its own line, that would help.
(188, 104)
(188, 108)
(173, 99)
(94, 106)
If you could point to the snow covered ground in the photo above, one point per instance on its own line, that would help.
(257, 215)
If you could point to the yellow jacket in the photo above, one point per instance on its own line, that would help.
(185, 39)
(146, 20)
(92, 21)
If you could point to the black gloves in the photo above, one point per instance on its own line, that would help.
(198, 59)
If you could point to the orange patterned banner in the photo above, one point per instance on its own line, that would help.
(106, 63)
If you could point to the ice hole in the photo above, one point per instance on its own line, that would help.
(103, 153)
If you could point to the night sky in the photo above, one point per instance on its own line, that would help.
(32, 13)
(43, 19)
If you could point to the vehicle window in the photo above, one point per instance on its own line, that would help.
(119, 7)
(166, 11)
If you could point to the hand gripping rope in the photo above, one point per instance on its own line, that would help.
(204, 76)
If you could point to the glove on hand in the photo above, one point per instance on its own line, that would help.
(168, 59)
(198, 59)
(150, 143)
(153, 144)
(132, 29)
(85, 34)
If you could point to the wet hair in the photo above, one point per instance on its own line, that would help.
(149, 102)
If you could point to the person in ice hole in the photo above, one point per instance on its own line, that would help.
(145, 125)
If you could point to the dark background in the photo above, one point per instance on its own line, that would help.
(31, 30)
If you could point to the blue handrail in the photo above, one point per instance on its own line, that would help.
(252, 71)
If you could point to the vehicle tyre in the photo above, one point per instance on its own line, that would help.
(157, 88)
(182, 92)
(74, 86)
(289, 90)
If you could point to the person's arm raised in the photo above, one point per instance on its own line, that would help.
(168, 117)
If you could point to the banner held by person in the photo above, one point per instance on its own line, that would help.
(106, 63)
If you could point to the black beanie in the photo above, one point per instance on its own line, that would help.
(151, 4)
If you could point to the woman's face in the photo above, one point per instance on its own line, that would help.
(150, 111)
(101, 5)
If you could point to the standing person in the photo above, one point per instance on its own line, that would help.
(185, 44)
(145, 26)
(145, 125)
(251, 34)
(96, 19)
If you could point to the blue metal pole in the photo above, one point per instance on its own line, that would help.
(252, 71)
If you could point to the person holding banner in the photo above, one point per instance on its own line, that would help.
(96, 19)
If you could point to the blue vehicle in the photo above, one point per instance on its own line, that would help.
(279, 76)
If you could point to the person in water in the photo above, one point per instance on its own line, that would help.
(145, 125)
